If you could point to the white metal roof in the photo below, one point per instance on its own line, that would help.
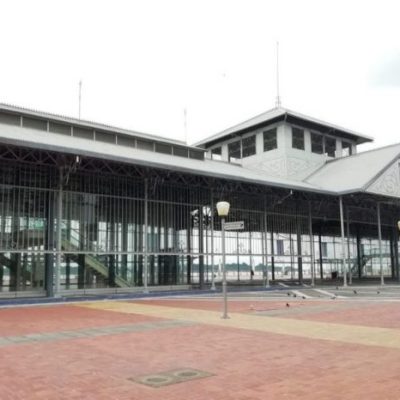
(354, 173)
(275, 113)
(340, 176)
(67, 144)
(88, 124)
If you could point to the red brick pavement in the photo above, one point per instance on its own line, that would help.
(20, 321)
(247, 365)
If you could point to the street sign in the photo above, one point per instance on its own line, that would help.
(234, 226)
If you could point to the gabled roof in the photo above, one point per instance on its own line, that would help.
(284, 114)
(354, 173)
(16, 135)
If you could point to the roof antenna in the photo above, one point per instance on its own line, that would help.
(80, 98)
(278, 103)
(185, 124)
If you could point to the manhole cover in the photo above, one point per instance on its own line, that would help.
(171, 377)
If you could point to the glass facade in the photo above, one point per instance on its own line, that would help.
(122, 225)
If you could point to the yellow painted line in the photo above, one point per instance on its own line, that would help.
(355, 334)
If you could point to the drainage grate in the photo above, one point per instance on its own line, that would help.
(171, 377)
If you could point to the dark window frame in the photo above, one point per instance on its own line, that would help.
(249, 146)
(216, 151)
(298, 138)
(163, 148)
(236, 154)
(347, 145)
(330, 151)
(270, 138)
(317, 148)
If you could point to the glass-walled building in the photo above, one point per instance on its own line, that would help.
(88, 207)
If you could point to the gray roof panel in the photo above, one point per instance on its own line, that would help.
(354, 173)
(271, 115)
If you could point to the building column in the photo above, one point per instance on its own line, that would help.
(266, 249)
(145, 234)
(348, 247)
(392, 261)
(359, 255)
(343, 249)
(272, 249)
(59, 234)
(189, 257)
(49, 238)
(312, 257)
(124, 257)
(299, 251)
(201, 248)
(396, 253)
(212, 241)
(378, 212)
(321, 261)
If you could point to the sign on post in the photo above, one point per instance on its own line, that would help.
(234, 226)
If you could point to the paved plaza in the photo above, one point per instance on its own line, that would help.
(291, 343)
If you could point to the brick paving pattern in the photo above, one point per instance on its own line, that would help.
(314, 349)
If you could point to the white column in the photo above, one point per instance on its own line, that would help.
(145, 238)
(343, 242)
(311, 245)
(212, 242)
(348, 247)
(58, 235)
(378, 209)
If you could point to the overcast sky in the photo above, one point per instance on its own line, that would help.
(143, 62)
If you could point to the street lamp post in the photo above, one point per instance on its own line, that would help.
(223, 211)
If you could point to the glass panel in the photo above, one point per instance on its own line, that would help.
(330, 146)
(126, 141)
(317, 143)
(60, 128)
(105, 137)
(216, 153)
(83, 133)
(10, 119)
(145, 144)
(197, 155)
(163, 148)
(234, 151)
(298, 138)
(180, 151)
(346, 149)
(249, 146)
(270, 140)
(34, 123)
